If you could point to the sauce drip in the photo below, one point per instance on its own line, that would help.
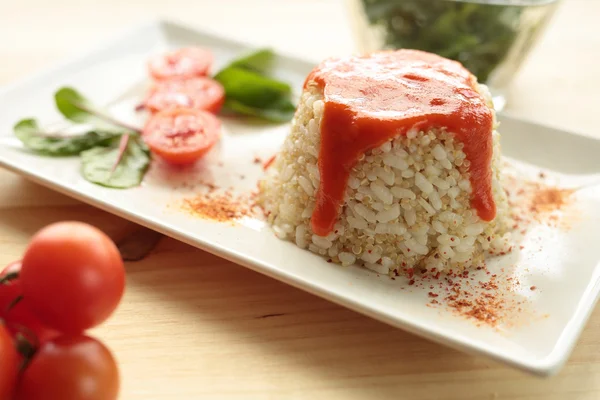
(372, 99)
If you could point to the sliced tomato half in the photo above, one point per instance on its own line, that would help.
(184, 63)
(182, 135)
(200, 93)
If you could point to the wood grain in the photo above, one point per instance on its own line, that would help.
(193, 326)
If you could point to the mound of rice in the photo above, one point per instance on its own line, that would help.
(406, 206)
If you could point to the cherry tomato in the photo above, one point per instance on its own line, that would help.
(199, 93)
(9, 364)
(72, 276)
(73, 368)
(184, 63)
(182, 135)
(19, 318)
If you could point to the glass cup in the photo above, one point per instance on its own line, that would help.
(491, 38)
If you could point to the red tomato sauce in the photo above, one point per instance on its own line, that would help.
(372, 99)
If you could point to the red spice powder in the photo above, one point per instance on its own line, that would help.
(485, 307)
(491, 298)
(222, 207)
(535, 201)
(550, 199)
(488, 302)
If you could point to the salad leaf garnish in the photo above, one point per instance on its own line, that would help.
(138, 244)
(75, 107)
(249, 91)
(123, 145)
(281, 113)
(53, 144)
(116, 159)
(120, 166)
(261, 61)
(252, 89)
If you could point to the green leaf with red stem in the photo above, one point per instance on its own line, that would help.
(120, 166)
(75, 107)
(56, 144)
(123, 143)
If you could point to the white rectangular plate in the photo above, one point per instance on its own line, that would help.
(565, 271)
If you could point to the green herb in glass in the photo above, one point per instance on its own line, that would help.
(479, 34)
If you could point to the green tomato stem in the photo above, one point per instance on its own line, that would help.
(6, 279)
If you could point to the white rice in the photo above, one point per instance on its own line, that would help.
(407, 203)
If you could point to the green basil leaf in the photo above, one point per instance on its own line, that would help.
(29, 133)
(108, 166)
(260, 61)
(283, 113)
(252, 89)
(248, 91)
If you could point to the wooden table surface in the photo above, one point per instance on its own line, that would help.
(192, 325)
